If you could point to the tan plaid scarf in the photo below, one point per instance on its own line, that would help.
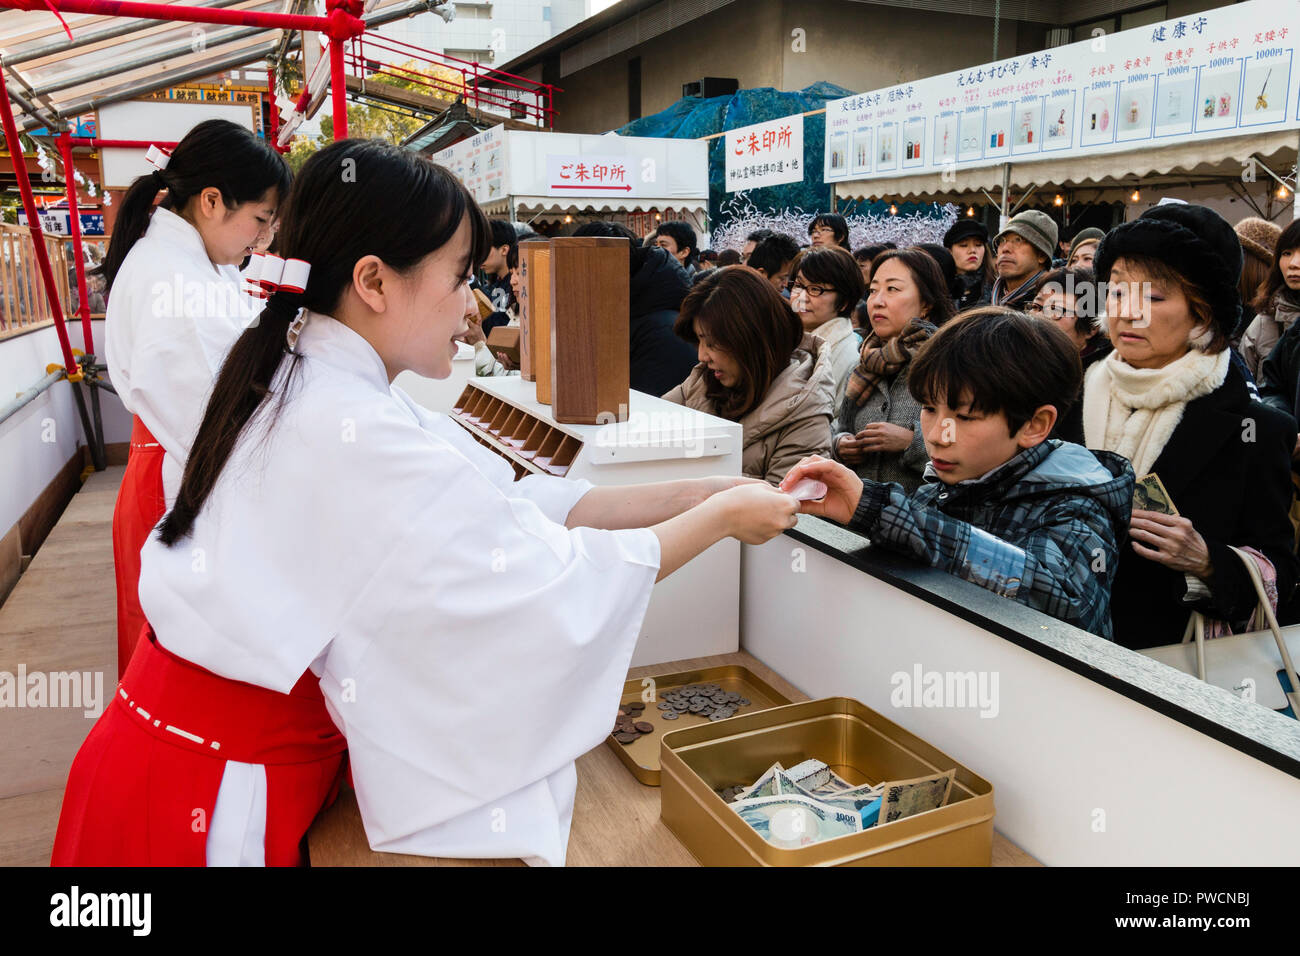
(880, 359)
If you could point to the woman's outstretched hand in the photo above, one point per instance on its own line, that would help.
(756, 512)
(843, 488)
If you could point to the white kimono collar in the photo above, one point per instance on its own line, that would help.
(166, 226)
(326, 339)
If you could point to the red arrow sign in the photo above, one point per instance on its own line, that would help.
(626, 187)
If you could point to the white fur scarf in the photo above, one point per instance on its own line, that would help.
(1133, 411)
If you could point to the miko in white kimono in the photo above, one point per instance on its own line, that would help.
(343, 568)
(174, 307)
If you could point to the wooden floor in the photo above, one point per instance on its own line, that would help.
(61, 616)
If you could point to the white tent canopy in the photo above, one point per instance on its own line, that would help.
(1210, 159)
(526, 174)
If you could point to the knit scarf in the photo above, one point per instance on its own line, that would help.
(1134, 411)
(880, 359)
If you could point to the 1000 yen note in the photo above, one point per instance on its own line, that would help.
(764, 786)
(1149, 494)
(791, 821)
(904, 798)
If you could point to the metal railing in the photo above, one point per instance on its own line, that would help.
(23, 305)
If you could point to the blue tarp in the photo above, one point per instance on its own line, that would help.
(692, 118)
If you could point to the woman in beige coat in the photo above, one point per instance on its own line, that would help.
(757, 367)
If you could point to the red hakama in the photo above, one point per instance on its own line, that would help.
(140, 506)
(143, 787)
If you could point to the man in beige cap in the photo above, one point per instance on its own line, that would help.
(1024, 252)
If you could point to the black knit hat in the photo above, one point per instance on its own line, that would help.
(1194, 241)
(964, 229)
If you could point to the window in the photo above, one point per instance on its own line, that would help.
(1143, 18)
(546, 14)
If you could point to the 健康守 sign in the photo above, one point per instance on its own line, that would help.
(1223, 72)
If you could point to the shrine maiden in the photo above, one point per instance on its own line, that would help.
(339, 557)
(174, 308)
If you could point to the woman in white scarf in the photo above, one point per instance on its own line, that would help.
(1172, 400)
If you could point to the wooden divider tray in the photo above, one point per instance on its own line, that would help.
(530, 444)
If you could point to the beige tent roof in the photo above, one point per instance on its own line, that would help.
(1210, 160)
(114, 57)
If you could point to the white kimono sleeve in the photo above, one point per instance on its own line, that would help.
(486, 653)
(174, 359)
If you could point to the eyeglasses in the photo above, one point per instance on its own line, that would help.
(816, 291)
(1050, 311)
(822, 230)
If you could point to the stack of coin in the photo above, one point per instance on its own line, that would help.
(729, 794)
(707, 700)
(626, 726)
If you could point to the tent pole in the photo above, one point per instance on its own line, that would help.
(338, 90)
(97, 456)
(15, 145)
(1006, 189)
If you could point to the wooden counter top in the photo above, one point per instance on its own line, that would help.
(615, 818)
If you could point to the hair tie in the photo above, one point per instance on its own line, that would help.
(158, 158)
(295, 329)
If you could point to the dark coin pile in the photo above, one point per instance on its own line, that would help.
(729, 794)
(626, 726)
(707, 700)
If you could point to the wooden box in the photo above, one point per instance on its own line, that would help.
(505, 338)
(535, 316)
(590, 314)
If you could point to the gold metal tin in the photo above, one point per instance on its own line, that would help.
(641, 756)
(861, 746)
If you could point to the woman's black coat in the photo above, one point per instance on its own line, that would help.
(1227, 468)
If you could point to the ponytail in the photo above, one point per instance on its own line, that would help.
(245, 380)
(214, 154)
(393, 204)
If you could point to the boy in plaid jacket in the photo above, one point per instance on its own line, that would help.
(1035, 520)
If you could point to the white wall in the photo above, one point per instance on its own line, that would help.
(39, 440)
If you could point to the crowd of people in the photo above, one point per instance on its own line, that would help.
(926, 389)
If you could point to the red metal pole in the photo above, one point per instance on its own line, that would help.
(338, 89)
(74, 220)
(178, 12)
(34, 225)
(118, 143)
(275, 110)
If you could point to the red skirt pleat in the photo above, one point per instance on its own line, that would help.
(140, 506)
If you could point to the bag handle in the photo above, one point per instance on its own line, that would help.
(1266, 606)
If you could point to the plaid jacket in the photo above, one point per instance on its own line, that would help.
(1043, 529)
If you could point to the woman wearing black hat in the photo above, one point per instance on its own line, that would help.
(1171, 400)
(968, 242)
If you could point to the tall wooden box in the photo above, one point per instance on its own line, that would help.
(590, 309)
(535, 316)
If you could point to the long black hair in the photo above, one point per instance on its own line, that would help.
(354, 198)
(1274, 283)
(215, 153)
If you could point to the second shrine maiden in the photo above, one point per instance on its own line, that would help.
(174, 308)
(345, 569)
